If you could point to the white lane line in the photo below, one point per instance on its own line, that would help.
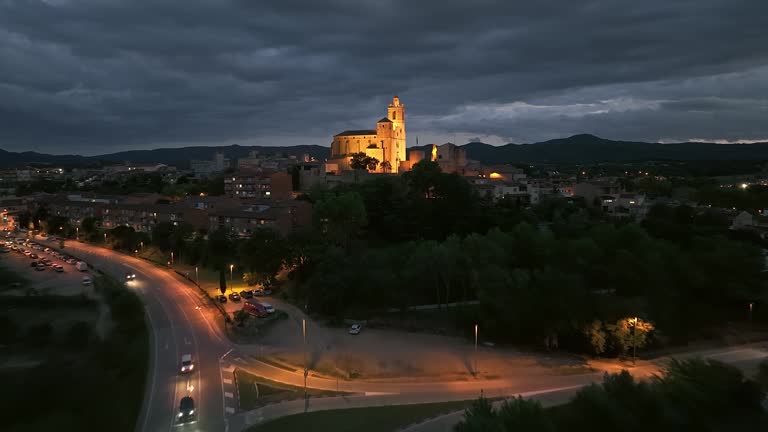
(154, 369)
(229, 410)
(226, 380)
(229, 395)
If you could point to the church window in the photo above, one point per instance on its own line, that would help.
(394, 115)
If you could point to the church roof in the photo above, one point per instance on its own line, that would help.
(357, 132)
(385, 120)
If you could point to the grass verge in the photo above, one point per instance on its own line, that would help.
(370, 419)
(255, 391)
(100, 388)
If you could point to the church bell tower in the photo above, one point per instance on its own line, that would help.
(396, 150)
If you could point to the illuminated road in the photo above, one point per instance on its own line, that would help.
(183, 322)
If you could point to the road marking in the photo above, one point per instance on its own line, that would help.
(228, 369)
(227, 380)
(187, 342)
(229, 395)
(238, 359)
(229, 410)
(378, 393)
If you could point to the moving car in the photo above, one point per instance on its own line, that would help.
(186, 410)
(81, 266)
(234, 297)
(186, 363)
(355, 329)
(130, 276)
(268, 307)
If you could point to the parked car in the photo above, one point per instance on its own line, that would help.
(47, 250)
(71, 261)
(255, 308)
(87, 280)
(40, 267)
(81, 266)
(355, 329)
(59, 268)
(268, 307)
(235, 297)
(27, 253)
(246, 294)
(33, 264)
(262, 292)
(221, 298)
(33, 256)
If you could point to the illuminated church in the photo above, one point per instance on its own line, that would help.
(386, 143)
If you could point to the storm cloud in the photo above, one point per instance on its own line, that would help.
(94, 76)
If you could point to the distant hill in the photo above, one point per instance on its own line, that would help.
(591, 149)
(178, 157)
(576, 149)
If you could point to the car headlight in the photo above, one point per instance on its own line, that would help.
(180, 414)
(191, 412)
(191, 367)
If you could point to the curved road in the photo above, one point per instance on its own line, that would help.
(182, 321)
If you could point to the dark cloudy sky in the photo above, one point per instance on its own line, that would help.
(95, 76)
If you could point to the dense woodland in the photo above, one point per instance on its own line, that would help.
(694, 395)
(558, 274)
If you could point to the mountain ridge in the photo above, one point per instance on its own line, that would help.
(582, 148)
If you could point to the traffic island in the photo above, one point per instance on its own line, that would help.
(254, 391)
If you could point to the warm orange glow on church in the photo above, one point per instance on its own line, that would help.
(386, 143)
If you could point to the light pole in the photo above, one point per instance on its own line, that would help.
(751, 305)
(77, 233)
(475, 349)
(171, 258)
(197, 276)
(304, 336)
(142, 246)
(231, 277)
(105, 237)
(634, 341)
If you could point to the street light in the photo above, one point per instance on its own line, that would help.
(231, 267)
(142, 246)
(197, 276)
(171, 258)
(751, 305)
(105, 237)
(475, 349)
(634, 341)
(77, 231)
(304, 336)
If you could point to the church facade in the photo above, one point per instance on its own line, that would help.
(386, 143)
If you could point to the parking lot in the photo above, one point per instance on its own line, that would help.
(43, 280)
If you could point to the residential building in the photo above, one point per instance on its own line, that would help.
(260, 185)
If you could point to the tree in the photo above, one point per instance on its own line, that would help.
(263, 254)
(361, 161)
(596, 335)
(79, 335)
(479, 417)
(520, 414)
(220, 253)
(386, 166)
(631, 333)
(341, 217)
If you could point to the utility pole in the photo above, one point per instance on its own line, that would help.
(304, 336)
(476, 350)
(634, 343)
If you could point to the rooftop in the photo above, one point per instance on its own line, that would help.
(357, 132)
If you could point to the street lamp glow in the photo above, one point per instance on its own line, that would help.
(744, 185)
(231, 267)
(197, 276)
(171, 258)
